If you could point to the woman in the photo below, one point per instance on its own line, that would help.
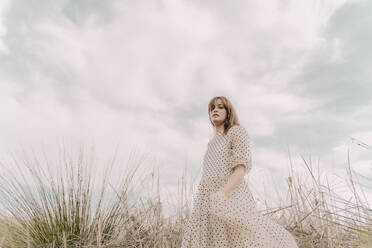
(224, 212)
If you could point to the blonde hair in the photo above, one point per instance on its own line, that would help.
(231, 116)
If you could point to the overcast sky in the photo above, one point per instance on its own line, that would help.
(140, 74)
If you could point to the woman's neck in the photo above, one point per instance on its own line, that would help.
(220, 129)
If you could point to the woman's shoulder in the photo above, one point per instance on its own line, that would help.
(237, 130)
(237, 133)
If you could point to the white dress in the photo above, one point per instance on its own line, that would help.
(246, 227)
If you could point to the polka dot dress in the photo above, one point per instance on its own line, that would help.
(221, 221)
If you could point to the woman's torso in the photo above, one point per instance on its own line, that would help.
(216, 168)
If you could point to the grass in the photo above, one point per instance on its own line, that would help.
(59, 208)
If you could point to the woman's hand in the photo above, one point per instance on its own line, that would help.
(224, 192)
(234, 180)
(219, 194)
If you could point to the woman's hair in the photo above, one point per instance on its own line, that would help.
(231, 116)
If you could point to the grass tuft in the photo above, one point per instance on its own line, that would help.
(63, 207)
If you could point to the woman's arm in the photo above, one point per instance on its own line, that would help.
(234, 179)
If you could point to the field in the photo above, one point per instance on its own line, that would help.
(62, 210)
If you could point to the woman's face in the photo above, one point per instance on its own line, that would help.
(218, 113)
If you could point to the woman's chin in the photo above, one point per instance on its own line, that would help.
(217, 122)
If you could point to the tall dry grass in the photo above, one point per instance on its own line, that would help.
(319, 216)
(62, 210)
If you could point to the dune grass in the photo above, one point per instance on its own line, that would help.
(61, 209)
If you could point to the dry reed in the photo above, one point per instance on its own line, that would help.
(59, 211)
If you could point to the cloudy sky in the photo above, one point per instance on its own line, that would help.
(139, 75)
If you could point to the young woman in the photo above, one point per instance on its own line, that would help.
(224, 212)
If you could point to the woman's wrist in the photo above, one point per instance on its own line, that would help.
(225, 192)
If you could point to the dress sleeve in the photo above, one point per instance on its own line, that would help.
(240, 152)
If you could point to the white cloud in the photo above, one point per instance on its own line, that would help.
(3, 30)
(144, 75)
